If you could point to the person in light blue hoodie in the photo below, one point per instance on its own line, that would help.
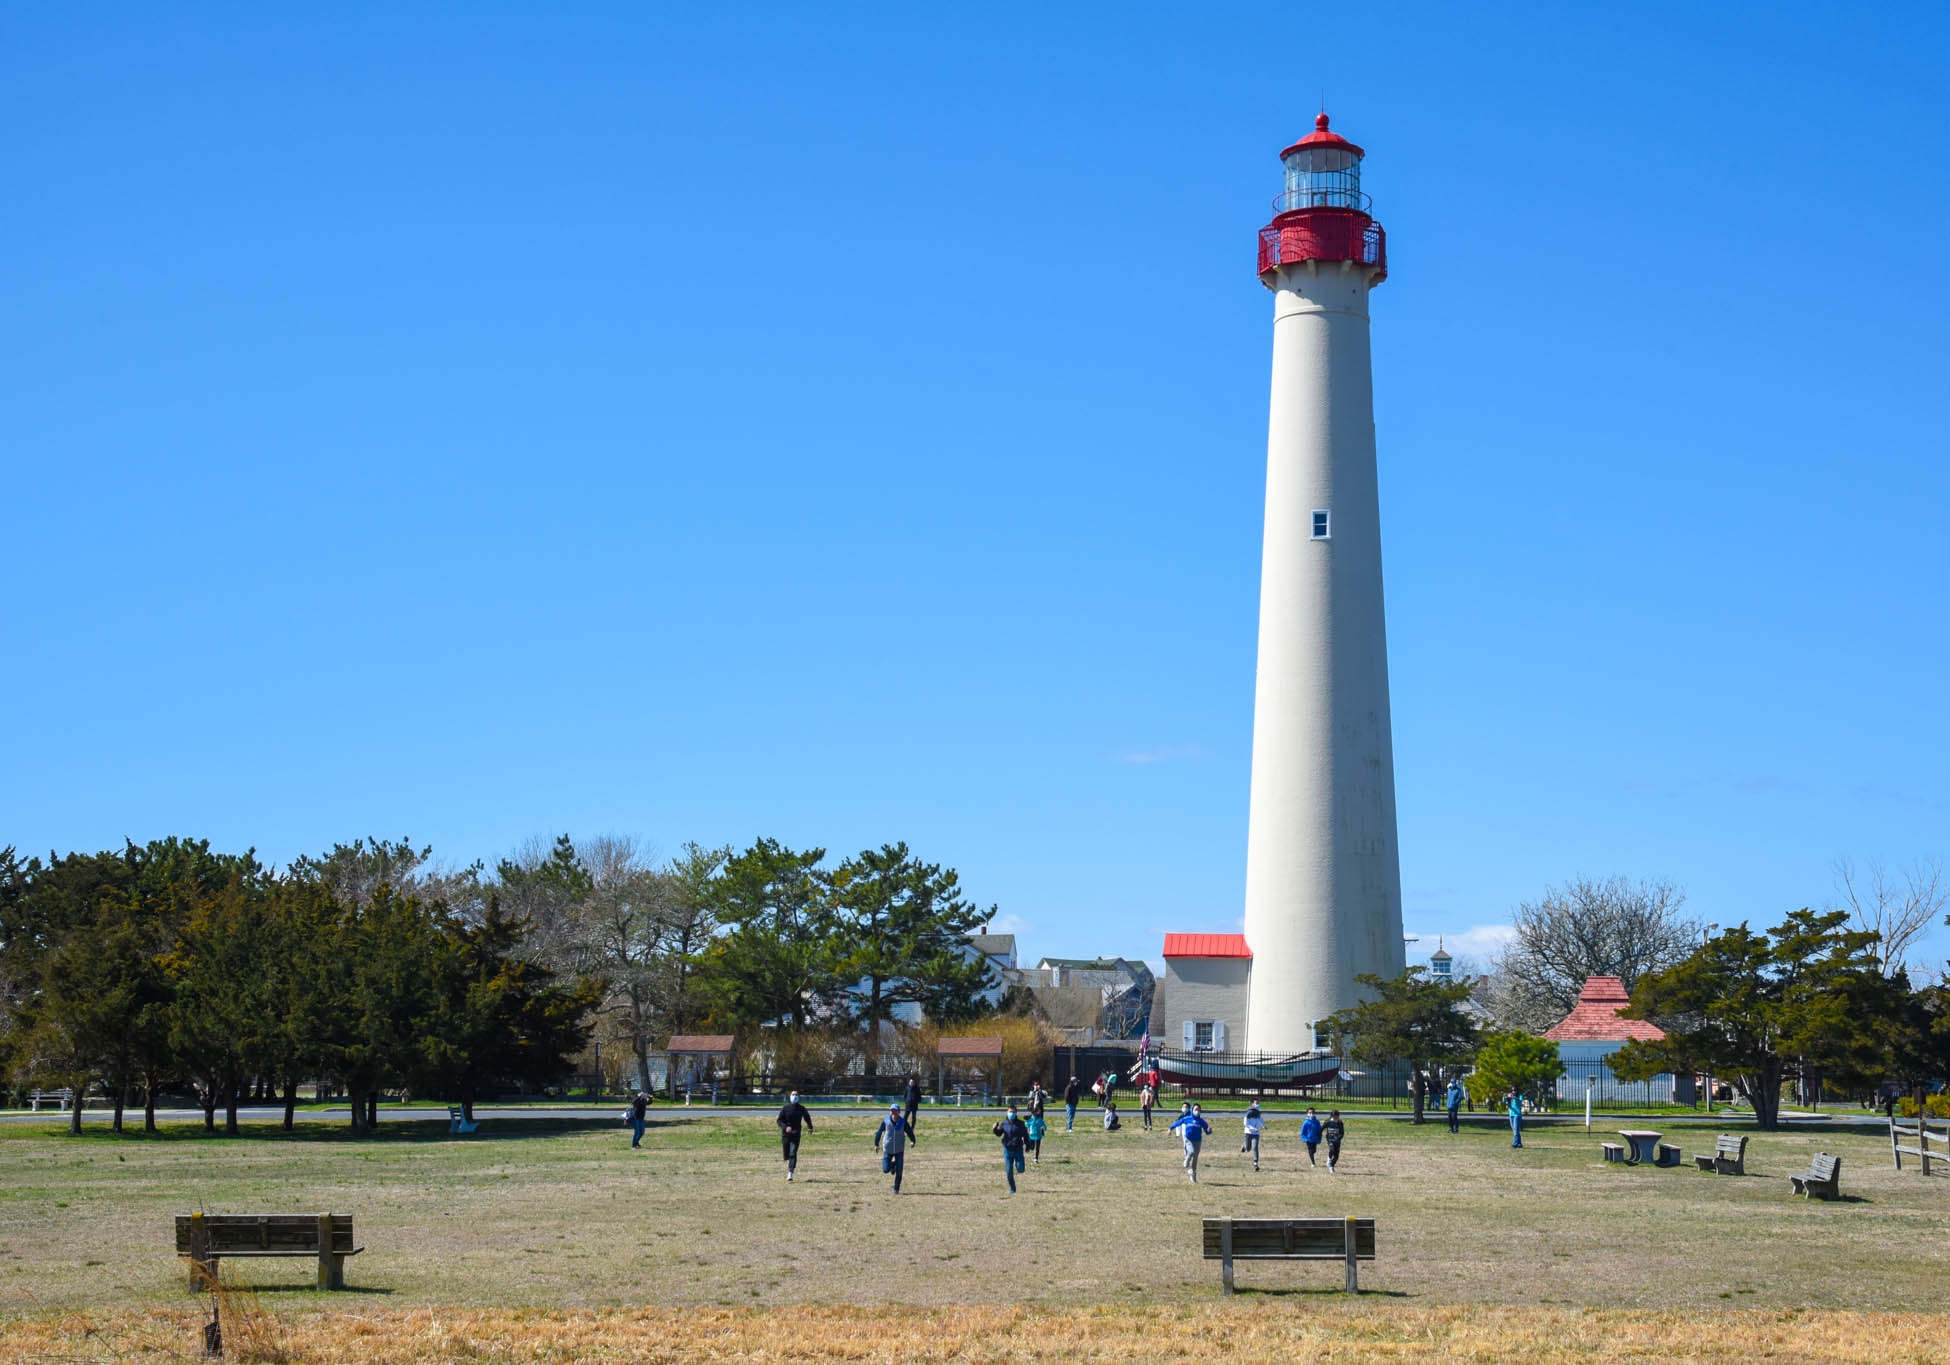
(890, 1140)
(1516, 1119)
(1454, 1101)
(1310, 1134)
(1255, 1129)
(1192, 1127)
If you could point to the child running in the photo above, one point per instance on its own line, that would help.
(1255, 1126)
(1034, 1123)
(1334, 1130)
(1191, 1126)
(891, 1140)
(1147, 1096)
(1310, 1134)
(1015, 1137)
(790, 1118)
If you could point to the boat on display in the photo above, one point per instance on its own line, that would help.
(1241, 1071)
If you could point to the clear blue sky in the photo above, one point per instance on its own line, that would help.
(473, 421)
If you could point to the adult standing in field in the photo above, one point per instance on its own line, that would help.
(913, 1099)
(1333, 1130)
(1255, 1128)
(1310, 1134)
(1516, 1119)
(1147, 1097)
(891, 1140)
(792, 1116)
(1071, 1094)
(1015, 1138)
(639, 1107)
(1192, 1127)
(1454, 1100)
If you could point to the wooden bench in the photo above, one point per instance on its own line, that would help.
(1728, 1157)
(1614, 1152)
(206, 1238)
(458, 1122)
(1823, 1177)
(1289, 1239)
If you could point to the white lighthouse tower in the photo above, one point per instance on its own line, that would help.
(1323, 878)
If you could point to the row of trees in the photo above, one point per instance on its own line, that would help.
(168, 965)
(1812, 999)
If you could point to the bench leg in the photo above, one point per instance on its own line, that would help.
(203, 1275)
(1353, 1277)
(1225, 1252)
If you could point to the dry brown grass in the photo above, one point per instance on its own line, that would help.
(1326, 1331)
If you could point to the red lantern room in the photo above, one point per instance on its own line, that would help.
(1321, 215)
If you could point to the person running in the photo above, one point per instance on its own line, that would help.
(1034, 1123)
(913, 1098)
(1333, 1130)
(1071, 1094)
(1255, 1127)
(1191, 1126)
(1147, 1097)
(1516, 1119)
(791, 1117)
(1015, 1137)
(1310, 1134)
(891, 1140)
(638, 1108)
(1454, 1101)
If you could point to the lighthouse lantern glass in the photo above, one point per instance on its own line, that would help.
(1322, 177)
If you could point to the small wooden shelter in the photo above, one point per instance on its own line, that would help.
(985, 1054)
(693, 1056)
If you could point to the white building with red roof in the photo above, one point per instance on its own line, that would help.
(1201, 1005)
(1592, 1031)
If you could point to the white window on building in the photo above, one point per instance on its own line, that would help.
(1323, 523)
(1205, 1035)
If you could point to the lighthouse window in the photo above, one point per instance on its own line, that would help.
(1321, 521)
(1202, 1036)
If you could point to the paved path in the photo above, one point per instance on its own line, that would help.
(611, 1111)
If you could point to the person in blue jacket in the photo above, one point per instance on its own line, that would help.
(1192, 1127)
(1454, 1101)
(1516, 1119)
(1310, 1134)
(1015, 1138)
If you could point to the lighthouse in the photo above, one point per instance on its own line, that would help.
(1323, 877)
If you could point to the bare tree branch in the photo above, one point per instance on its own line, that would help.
(1590, 927)
(1898, 909)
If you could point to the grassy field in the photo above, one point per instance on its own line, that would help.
(562, 1217)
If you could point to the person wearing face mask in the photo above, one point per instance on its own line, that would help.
(791, 1117)
(1015, 1139)
(1255, 1129)
(891, 1140)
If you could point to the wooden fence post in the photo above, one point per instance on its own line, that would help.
(1352, 1244)
(1895, 1147)
(1225, 1252)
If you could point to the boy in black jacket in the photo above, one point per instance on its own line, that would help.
(790, 1118)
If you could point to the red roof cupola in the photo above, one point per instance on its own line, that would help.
(1322, 215)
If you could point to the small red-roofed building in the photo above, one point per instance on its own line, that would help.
(1592, 1031)
(1207, 985)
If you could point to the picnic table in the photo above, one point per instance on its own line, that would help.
(1640, 1145)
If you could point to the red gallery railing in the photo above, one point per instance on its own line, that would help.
(1324, 235)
